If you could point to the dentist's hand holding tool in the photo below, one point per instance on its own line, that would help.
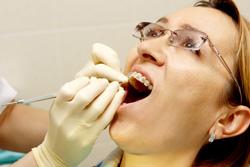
(82, 109)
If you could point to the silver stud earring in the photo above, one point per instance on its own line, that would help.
(212, 137)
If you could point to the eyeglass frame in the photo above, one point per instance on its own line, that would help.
(205, 38)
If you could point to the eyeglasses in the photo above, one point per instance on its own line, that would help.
(184, 38)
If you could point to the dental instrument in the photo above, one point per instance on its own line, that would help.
(33, 99)
(38, 98)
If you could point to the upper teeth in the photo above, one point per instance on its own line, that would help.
(138, 76)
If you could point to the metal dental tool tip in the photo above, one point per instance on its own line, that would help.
(123, 82)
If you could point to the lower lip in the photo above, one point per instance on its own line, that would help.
(126, 106)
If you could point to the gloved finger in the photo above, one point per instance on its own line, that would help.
(86, 70)
(102, 54)
(100, 103)
(92, 79)
(89, 93)
(69, 90)
(102, 71)
(110, 111)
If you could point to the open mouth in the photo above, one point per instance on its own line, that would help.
(137, 88)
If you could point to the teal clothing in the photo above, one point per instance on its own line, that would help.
(7, 157)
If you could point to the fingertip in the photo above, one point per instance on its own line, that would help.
(123, 78)
(104, 80)
(121, 93)
(121, 88)
(115, 83)
(92, 79)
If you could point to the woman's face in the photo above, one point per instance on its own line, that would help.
(184, 102)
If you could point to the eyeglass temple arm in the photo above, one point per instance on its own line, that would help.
(227, 68)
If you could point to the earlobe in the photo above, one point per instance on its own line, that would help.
(235, 123)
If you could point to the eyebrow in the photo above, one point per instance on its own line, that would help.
(183, 26)
(189, 27)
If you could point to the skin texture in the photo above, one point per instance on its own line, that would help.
(22, 127)
(175, 121)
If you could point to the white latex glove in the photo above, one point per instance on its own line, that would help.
(104, 63)
(82, 109)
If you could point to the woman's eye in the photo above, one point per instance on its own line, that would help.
(189, 43)
(151, 34)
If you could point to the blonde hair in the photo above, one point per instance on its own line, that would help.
(235, 151)
(244, 58)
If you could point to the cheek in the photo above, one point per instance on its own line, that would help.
(186, 100)
(195, 83)
(131, 59)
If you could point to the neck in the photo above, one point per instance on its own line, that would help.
(160, 160)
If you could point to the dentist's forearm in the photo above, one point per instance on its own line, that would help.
(19, 119)
(27, 161)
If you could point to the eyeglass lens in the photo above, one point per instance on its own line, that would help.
(186, 39)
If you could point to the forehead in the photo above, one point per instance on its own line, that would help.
(217, 25)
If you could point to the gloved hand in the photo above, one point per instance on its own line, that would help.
(104, 63)
(82, 109)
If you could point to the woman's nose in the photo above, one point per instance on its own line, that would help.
(152, 51)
